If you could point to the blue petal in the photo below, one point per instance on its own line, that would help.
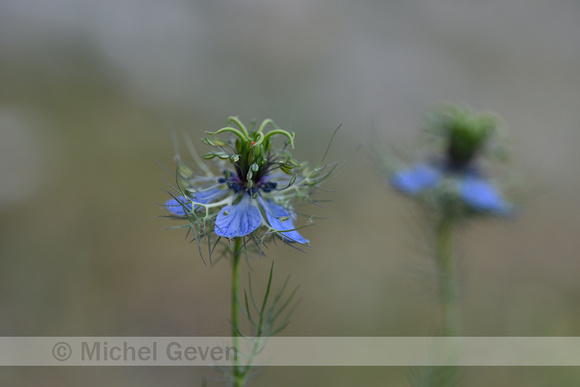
(176, 205)
(238, 220)
(415, 179)
(274, 212)
(208, 196)
(482, 195)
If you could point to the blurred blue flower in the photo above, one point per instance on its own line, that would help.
(474, 190)
(453, 178)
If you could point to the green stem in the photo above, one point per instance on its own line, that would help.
(451, 318)
(239, 376)
(447, 279)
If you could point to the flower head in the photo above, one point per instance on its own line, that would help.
(453, 180)
(256, 190)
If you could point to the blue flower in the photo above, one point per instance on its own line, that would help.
(473, 190)
(453, 181)
(255, 191)
(243, 217)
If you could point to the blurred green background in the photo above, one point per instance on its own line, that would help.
(89, 92)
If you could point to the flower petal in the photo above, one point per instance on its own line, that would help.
(208, 196)
(274, 212)
(482, 195)
(178, 205)
(238, 220)
(415, 179)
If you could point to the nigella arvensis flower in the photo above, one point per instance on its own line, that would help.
(453, 178)
(452, 185)
(253, 190)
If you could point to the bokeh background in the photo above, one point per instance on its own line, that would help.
(89, 94)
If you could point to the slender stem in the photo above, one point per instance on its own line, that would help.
(447, 279)
(239, 377)
(447, 376)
